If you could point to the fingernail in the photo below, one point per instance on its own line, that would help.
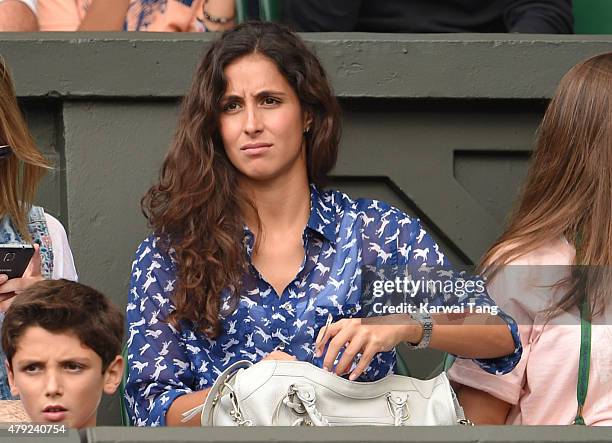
(352, 377)
(326, 369)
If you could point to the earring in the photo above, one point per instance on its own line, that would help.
(307, 130)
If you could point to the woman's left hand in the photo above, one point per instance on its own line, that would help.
(10, 288)
(367, 339)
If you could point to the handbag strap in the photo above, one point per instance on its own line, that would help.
(212, 396)
(585, 360)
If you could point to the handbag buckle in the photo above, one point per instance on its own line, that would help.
(399, 408)
(305, 393)
(297, 406)
(305, 404)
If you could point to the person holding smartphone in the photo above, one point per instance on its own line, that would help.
(21, 223)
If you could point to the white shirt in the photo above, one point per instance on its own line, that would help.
(63, 263)
(30, 3)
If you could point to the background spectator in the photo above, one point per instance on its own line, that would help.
(181, 15)
(526, 16)
(82, 15)
(166, 15)
(18, 15)
(560, 235)
(139, 15)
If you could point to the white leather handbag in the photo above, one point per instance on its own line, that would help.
(294, 393)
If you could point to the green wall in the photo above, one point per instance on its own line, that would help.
(440, 125)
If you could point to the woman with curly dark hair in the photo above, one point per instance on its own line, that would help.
(250, 257)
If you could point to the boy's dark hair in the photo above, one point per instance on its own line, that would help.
(63, 306)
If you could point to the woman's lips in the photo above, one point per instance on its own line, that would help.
(255, 148)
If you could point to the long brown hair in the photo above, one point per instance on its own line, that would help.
(568, 190)
(196, 206)
(22, 170)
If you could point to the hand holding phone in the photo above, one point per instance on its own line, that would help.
(18, 277)
(14, 259)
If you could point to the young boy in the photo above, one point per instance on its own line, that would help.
(63, 343)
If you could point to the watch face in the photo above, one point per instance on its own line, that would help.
(421, 316)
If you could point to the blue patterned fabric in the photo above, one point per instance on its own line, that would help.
(341, 237)
(37, 226)
(141, 13)
(144, 11)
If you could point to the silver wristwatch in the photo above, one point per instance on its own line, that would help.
(427, 324)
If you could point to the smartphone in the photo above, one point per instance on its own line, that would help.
(14, 259)
(5, 151)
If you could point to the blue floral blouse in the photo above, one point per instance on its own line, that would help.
(341, 237)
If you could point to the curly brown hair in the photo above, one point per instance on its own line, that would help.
(195, 208)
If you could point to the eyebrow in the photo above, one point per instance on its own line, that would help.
(259, 94)
(22, 363)
(28, 362)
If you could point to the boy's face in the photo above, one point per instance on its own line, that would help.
(59, 379)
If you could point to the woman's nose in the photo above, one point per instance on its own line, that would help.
(253, 124)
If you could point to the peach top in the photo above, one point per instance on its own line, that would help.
(542, 387)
